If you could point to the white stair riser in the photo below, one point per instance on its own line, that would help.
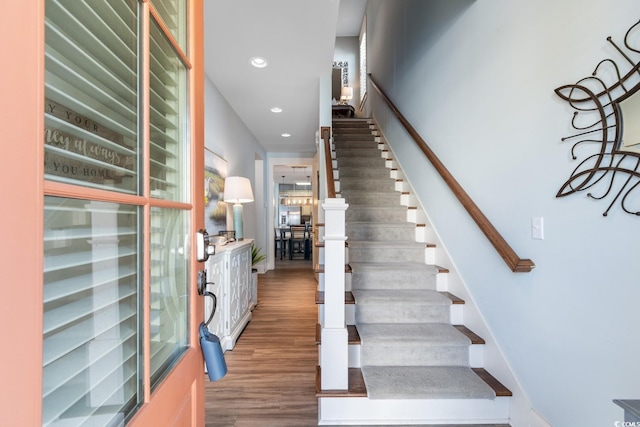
(394, 280)
(365, 173)
(370, 254)
(361, 162)
(367, 184)
(342, 153)
(356, 198)
(356, 213)
(415, 355)
(476, 355)
(377, 233)
(364, 411)
(393, 313)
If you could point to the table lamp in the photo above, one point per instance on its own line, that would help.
(237, 190)
(346, 94)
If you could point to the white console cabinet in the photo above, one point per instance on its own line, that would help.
(229, 277)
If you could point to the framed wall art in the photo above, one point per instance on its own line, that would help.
(215, 209)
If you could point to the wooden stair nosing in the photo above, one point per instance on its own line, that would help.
(357, 387)
(497, 386)
(353, 337)
(442, 269)
(473, 337)
(348, 297)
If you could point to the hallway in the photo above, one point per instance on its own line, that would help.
(271, 370)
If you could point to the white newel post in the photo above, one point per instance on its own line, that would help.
(334, 352)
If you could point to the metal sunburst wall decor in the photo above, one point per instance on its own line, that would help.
(606, 121)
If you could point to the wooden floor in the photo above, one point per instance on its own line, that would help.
(271, 370)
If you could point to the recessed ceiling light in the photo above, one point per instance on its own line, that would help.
(286, 135)
(258, 62)
(276, 110)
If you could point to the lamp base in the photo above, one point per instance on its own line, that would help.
(237, 221)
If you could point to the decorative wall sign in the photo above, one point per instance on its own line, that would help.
(606, 121)
(82, 149)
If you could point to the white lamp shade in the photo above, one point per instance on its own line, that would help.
(237, 189)
(346, 92)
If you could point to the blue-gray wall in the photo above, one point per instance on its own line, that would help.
(227, 136)
(477, 80)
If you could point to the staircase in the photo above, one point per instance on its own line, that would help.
(411, 359)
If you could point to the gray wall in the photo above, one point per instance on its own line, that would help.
(346, 49)
(228, 137)
(477, 80)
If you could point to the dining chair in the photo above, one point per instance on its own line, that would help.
(297, 240)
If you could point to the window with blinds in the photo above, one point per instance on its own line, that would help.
(94, 250)
(169, 295)
(173, 14)
(168, 108)
(363, 65)
(91, 106)
(91, 338)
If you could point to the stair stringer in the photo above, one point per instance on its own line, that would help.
(493, 356)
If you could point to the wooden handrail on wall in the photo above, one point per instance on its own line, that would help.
(515, 263)
(325, 131)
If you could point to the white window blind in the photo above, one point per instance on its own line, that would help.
(173, 15)
(91, 341)
(168, 131)
(363, 65)
(91, 117)
(169, 172)
(169, 291)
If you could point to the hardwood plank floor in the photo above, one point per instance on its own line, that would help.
(271, 370)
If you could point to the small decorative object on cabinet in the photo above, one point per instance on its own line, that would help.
(229, 278)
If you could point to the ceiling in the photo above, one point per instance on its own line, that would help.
(297, 39)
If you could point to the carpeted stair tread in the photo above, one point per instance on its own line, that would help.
(431, 333)
(424, 382)
(408, 297)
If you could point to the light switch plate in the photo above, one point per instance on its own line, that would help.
(537, 228)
